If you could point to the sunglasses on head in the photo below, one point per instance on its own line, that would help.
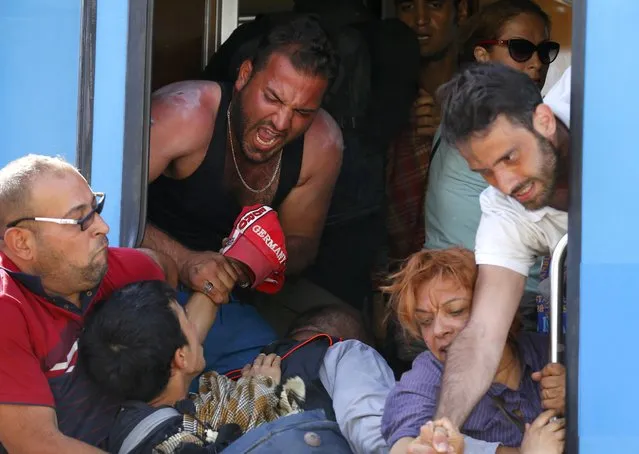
(522, 50)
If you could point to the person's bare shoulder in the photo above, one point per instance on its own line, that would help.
(187, 93)
(323, 147)
(186, 102)
(325, 131)
(182, 121)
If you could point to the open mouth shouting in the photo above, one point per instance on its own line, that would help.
(266, 138)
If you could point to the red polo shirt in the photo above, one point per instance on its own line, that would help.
(39, 343)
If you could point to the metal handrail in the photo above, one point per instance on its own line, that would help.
(557, 296)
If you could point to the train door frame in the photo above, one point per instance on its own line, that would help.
(573, 259)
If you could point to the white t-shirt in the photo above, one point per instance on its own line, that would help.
(557, 69)
(511, 236)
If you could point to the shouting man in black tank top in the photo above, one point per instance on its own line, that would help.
(216, 148)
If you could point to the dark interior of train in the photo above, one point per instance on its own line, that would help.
(179, 31)
(186, 34)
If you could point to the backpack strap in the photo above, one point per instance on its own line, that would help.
(432, 155)
(434, 150)
(145, 427)
(236, 374)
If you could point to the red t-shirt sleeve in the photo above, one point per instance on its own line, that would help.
(125, 266)
(22, 380)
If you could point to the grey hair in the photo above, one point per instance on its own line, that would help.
(17, 179)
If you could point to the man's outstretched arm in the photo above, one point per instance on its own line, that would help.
(473, 357)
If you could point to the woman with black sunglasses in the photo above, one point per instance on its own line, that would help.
(515, 33)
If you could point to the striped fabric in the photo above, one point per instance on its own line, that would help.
(406, 178)
(497, 416)
(248, 402)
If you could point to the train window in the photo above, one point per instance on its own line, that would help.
(40, 78)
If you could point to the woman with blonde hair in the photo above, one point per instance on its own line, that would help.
(432, 296)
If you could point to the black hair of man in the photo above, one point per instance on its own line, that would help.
(130, 339)
(305, 43)
(473, 99)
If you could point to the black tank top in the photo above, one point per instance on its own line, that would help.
(198, 211)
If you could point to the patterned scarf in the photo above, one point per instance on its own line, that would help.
(248, 402)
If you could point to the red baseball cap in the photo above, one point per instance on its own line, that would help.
(257, 240)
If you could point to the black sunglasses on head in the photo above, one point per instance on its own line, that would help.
(522, 50)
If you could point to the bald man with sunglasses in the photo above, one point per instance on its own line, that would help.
(55, 265)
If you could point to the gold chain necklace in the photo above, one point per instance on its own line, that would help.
(237, 168)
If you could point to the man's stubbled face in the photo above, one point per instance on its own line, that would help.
(434, 22)
(520, 163)
(274, 106)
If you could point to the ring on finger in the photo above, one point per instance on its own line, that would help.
(208, 287)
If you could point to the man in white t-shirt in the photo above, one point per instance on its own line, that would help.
(520, 144)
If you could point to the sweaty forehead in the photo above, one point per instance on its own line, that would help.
(55, 194)
(290, 84)
(483, 149)
(440, 290)
(432, 293)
